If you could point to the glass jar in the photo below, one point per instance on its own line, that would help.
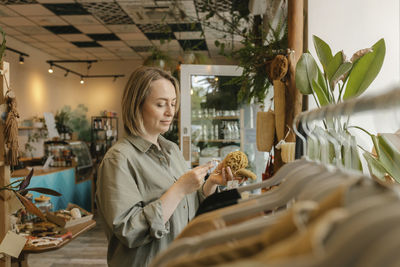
(44, 204)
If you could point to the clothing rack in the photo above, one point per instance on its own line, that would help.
(386, 100)
(317, 216)
(389, 99)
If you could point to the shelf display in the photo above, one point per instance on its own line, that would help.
(73, 153)
(104, 133)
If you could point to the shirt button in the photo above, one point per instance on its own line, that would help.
(184, 206)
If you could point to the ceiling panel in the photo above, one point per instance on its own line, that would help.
(32, 29)
(111, 29)
(48, 20)
(92, 28)
(31, 10)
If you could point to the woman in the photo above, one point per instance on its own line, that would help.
(145, 193)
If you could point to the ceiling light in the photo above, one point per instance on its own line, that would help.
(55, 64)
(22, 55)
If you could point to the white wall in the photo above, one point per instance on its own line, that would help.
(354, 24)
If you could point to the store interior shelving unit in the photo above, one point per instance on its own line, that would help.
(104, 133)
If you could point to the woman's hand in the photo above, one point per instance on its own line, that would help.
(221, 175)
(193, 179)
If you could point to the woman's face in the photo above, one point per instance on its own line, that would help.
(159, 107)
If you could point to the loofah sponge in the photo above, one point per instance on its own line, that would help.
(246, 174)
(236, 160)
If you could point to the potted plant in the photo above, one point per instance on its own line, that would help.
(157, 59)
(341, 79)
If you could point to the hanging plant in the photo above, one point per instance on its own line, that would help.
(260, 40)
(158, 59)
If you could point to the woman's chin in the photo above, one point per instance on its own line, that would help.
(164, 130)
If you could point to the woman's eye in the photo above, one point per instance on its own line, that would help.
(160, 105)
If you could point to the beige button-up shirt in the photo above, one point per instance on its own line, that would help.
(131, 179)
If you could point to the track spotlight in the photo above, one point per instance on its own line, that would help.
(22, 55)
(56, 64)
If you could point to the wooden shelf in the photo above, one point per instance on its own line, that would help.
(217, 118)
(217, 141)
(76, 230)
(29, 128)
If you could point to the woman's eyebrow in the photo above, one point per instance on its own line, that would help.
(164, 98)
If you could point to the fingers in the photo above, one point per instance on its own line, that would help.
(205, 167)
(229, 172)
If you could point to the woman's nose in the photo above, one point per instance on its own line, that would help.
(170, 110)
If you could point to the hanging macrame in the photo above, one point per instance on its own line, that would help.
(11, 127)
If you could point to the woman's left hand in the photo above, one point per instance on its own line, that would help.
(221, 175)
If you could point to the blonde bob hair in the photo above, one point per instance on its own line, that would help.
(136, 90)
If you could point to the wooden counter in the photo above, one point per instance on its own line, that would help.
(37, 171)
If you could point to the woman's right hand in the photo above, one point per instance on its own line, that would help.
(193, 179)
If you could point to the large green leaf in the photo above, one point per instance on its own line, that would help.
(340, 72)
(322, 83)
(389, 156)
(334, 64)
(324, 52)
(323, 99)
(306, 71)
(375, 167)
(365, 70)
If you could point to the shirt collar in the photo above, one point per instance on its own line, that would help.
(143, 145)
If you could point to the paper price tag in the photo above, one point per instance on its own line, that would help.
(12, 244)
(232, 184)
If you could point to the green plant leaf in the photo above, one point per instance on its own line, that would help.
(388, 156)
(365, 70)
(340, 72)
(306, 71)
(322, 97)
(322, 83)
(3, 43)
(324, 52)
(374, 166)
(334, 64)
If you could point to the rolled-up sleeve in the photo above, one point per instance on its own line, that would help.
(122, 205)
